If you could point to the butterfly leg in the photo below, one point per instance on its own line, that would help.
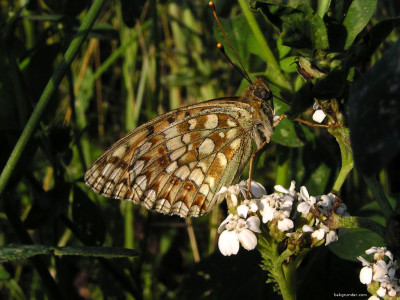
(251, 167)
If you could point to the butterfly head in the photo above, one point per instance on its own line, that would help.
(260, 97)
(259, 90)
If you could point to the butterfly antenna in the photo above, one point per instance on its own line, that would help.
(241, 70)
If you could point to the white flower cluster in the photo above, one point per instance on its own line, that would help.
(383, 271)
(241, 226)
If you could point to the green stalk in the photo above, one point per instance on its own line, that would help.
(337, 222)
(342, 135)
(282, 169)
(48, 91)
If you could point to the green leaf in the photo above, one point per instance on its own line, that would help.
(291, 134)
(288, 64)
(238, 33)
(299, 25)
(372, 40)
(357, 16)
(354, 243)
(14, 252)
(374, 113)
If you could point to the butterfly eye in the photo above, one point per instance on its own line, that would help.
(262, 94)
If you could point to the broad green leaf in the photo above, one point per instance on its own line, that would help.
(354, 243)
(357, 16)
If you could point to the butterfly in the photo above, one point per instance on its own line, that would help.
(176, 163)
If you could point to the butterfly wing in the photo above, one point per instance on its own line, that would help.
(176, 163)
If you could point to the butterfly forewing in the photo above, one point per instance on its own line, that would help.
(176, 163)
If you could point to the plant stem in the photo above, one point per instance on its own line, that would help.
(285, 275)
(48, 91)
(342, 135)
(356, 222)
(281, 268)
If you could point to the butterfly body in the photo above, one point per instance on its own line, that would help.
(177, 162)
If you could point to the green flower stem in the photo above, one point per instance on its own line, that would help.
(337, 222)
(379, 195)
(278, 78)
(51, 86)
(342, 135)
(281, 272)
(285, 274)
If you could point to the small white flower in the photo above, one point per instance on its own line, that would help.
(366, 275)
(318, 116)
(308, 202)
(245, 207)
(380, 269)
(235, 230)
(373, 298)
(307, 228)
(248, 239)
(256, 189)
(291, 191)
(322, 232)
(253, 223)
(318, 234)
(285, 224)
(231, 193)
(228, 243)
(331, 237)
(242, 210)
(224, 223)
(267, 208)
(325, 202)
(381, 292)
(379, 253)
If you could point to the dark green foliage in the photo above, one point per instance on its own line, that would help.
(144, 58)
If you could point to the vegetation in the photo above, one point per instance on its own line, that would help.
(77, 75)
